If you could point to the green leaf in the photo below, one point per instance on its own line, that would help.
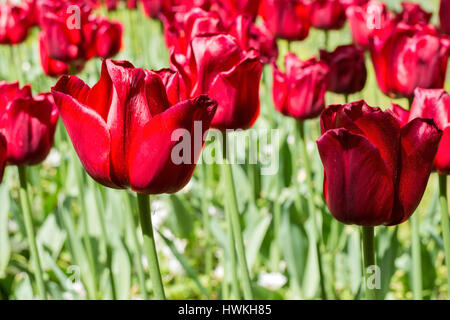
(5, 249)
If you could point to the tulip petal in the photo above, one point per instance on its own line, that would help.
(442, 159)
(358, 187)
(153, 168)
(419, 142)
(87, 131)
(238, 95)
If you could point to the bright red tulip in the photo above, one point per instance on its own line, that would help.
(444, 15)
(413, 14)
(15, 22)
(300, 92)
(122, 128)
(108, 38)
(2, 155)
(28, 124)
(250, 35)
(408, 57)
(186, 26)
(348, 71)
(435, 104)
(363, 20)
(327, 14)
(217, 66)
(287, 19)
(375, 170)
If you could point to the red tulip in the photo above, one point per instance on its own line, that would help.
(186, 26)
(287, 19)
(15, 22)
(250, 35)
(363, 20)
(229, 10)
(327, 14)
(435, 104)
(300, 92)
(122, 127)
(156, 9)
(108, 38)
(401, 114)
(217, 66)
(349, 3)
(2, 155)
(444, 15)
(27, 123)
(413, 14)
(407, 57)
(347, 69)
(375, 170)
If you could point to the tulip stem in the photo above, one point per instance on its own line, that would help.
(137, 246)
(206, 221)
(445, 223)
(369, 260)
(231, 209)
(416, 257)
(28, 219)
(311, 206)
(326, 40)
(149, 244)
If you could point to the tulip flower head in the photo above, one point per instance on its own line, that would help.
(408, 57)
(300, 91)
(435, 104)
(122, 128)
(444, 15)
(287, 19)
(376, 171)
(348, 71)
(27, 123)
(15, 22)
(217, 66)
(327, 14)
(413, 14)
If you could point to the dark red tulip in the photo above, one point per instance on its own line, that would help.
(217, 66)
(435, 104)
(327, 14)
(375, 170)
(407, 57)
(300, 92)
(444, 15)
(413, 14)
(347, 69)
(287, 19)
(28, 124)
(363, 20)
(2, 155)
(229, 10)
(349, 3)
(250, 35)
(123, 128)
(157, 9)
(108, 38)
(186, 26)
(15, 22)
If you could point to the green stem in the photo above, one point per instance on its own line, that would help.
(369, 259)
(137, 246)
(232, 256)
(28, 219)
(445, 223)
(311, 206)
(327, 38)
(149, 244)
(86, 235)
(416, 257)
(231, 208)
(206, 223)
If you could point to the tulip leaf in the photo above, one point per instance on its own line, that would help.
(5, 249)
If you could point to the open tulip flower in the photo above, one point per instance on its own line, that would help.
(122, 128)
(217, 66)
(413, 14)
(364, 19)
(288, 19)
(27, 123)
(15, 22)
(327, 14)
(376, 170)
(444, 15)
(300, 91)
(408, 57)
(348, 71)
(108, 38)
